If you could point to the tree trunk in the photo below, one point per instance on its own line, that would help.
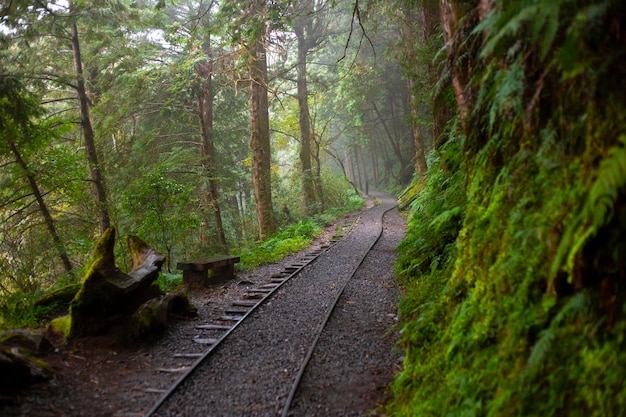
(356, 166)
(449, 22)
(361, 162)
(404, 172)
(207, 149)
(97, 178)
(32, 182)
(418, 138)
(304, 119)
(374, 161)
(317, 179)
(260, 139)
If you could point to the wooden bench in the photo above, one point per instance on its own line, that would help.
(196, 273)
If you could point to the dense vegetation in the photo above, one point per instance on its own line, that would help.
(514, 255)
(200, 126)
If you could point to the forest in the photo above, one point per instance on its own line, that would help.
(202, 127)
(232, 126)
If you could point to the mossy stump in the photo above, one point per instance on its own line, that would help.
(108, 296)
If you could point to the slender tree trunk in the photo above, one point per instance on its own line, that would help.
(356, 166)
(317, 179)
(32, 182)
(387, 162)
(418, 138)
(207, 150)
(96, 170)
(260, 139)
(374, 161)
(361, 161)
(404, 172)
(449, 22)
(304, 121)
(344, 169)
(349, 169)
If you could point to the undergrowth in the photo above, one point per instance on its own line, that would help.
(291, 239)
(513, 260)
(294, 237)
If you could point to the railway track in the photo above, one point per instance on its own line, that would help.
(258, 351)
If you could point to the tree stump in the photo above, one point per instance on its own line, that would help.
(108, 296)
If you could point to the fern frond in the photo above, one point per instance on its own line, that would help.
(575, 306)
(540, 350)
(598, 208)
(445, 217)
(611, 179)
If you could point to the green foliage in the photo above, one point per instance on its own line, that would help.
(598, 208)
(62, 325)
(17, 310)
(524, 315)
(291, 239)
(168, 282)
(298, 236)
(436, 215)
(159, 208)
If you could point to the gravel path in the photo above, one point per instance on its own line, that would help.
(359, 336)
(251, 372)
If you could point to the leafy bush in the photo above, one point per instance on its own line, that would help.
(169, 281)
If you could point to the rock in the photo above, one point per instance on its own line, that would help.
(25, 338)
(155, 315)
(20, 368)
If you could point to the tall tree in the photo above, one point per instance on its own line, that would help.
(307, 28)
(250, 24)
(17, 127)
(95, 168)
(195, 22)
(418, 138)
(449, 10)
(207, 148)
(260, 134)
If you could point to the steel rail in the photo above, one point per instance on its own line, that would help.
(164, 397)
(320, 330)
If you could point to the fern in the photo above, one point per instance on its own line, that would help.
(611, 179)
(576, 306)
(540, 350)
(597, 210)
(446, 217)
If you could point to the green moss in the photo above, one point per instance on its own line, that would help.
(62, 295)
(62, 326)
(515, 294)
(102, 255)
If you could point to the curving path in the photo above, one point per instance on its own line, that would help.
(251, 372)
